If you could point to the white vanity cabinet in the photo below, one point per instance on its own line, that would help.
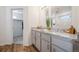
(53, 42)
(37, 40)
(33, 37)
(45, 42)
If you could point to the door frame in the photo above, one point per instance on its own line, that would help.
(16, 8)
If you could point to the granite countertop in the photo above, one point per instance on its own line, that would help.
(63, 34)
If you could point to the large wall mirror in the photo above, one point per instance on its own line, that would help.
(61, 16)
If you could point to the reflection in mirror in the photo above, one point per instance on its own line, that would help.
(61, 16)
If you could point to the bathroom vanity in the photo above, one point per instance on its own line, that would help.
(51, 41)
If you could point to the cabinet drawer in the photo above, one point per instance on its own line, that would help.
(68, 46)
(45, 37)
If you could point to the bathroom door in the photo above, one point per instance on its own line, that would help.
(17, 17)
(17, 28)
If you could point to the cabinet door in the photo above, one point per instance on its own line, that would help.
(33, 37)
(45, 46)
(45, 37)
(37, 40)
(56, 49)
(63, 43)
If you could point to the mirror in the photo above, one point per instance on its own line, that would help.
(61, 16)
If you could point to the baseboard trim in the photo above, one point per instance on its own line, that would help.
(5, 44)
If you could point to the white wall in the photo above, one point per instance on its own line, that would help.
(42, 17)
(2, 25)
(75, 17)
(33, 21)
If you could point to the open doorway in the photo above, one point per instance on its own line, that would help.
(17, 17)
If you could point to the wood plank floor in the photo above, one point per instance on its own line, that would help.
(17, 48)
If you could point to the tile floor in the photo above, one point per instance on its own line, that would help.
(18, 40)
